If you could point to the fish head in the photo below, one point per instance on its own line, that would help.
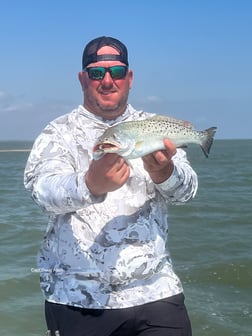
(112, 142)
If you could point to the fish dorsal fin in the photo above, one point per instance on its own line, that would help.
(172, 120)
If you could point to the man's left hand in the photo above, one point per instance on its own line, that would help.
(159, 164)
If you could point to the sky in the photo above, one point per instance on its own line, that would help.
(191, 60)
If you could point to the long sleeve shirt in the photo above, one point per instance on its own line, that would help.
(110, 251)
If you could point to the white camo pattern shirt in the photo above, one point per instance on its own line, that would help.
(106, 252)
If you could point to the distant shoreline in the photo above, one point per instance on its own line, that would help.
(14, 150)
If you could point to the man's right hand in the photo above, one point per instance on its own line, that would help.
(107, 174)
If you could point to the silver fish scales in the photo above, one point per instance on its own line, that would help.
(134, 139)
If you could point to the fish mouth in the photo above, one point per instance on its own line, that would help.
(105, 146)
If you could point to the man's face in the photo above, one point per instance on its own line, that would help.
(106, 97)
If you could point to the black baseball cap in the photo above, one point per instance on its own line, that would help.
(90, 51)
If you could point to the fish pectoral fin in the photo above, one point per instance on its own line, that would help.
(139, 144)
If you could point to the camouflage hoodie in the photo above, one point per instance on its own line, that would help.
(106, 252)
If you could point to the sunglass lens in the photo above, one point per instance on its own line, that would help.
(96, 73)
(118, 72)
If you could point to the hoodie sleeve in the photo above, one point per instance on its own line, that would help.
(182, 185)
(55, 175)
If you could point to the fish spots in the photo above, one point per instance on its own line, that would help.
(140, 137)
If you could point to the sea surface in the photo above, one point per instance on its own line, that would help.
(210, 241)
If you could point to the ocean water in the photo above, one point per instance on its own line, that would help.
(210, 243)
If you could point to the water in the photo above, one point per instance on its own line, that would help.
(210, 243)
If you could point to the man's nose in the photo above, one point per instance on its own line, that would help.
(107, 79)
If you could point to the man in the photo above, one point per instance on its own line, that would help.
(105, 269)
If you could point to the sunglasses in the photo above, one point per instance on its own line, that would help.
(98, 73)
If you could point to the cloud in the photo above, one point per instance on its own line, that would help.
(9, 103)
(16, 107)
(24, 120)
(4, 98)
(2, 94)
(154, 99)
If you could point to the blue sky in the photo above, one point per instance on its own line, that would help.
(191, 59)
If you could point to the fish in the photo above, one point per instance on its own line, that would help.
(137, 138)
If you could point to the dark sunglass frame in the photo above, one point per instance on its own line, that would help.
(98, 73)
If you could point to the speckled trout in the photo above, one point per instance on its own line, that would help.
(134, 139)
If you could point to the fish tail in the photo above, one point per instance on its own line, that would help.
(208, 140)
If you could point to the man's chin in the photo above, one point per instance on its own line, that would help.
(108, 107)
(110, 112)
